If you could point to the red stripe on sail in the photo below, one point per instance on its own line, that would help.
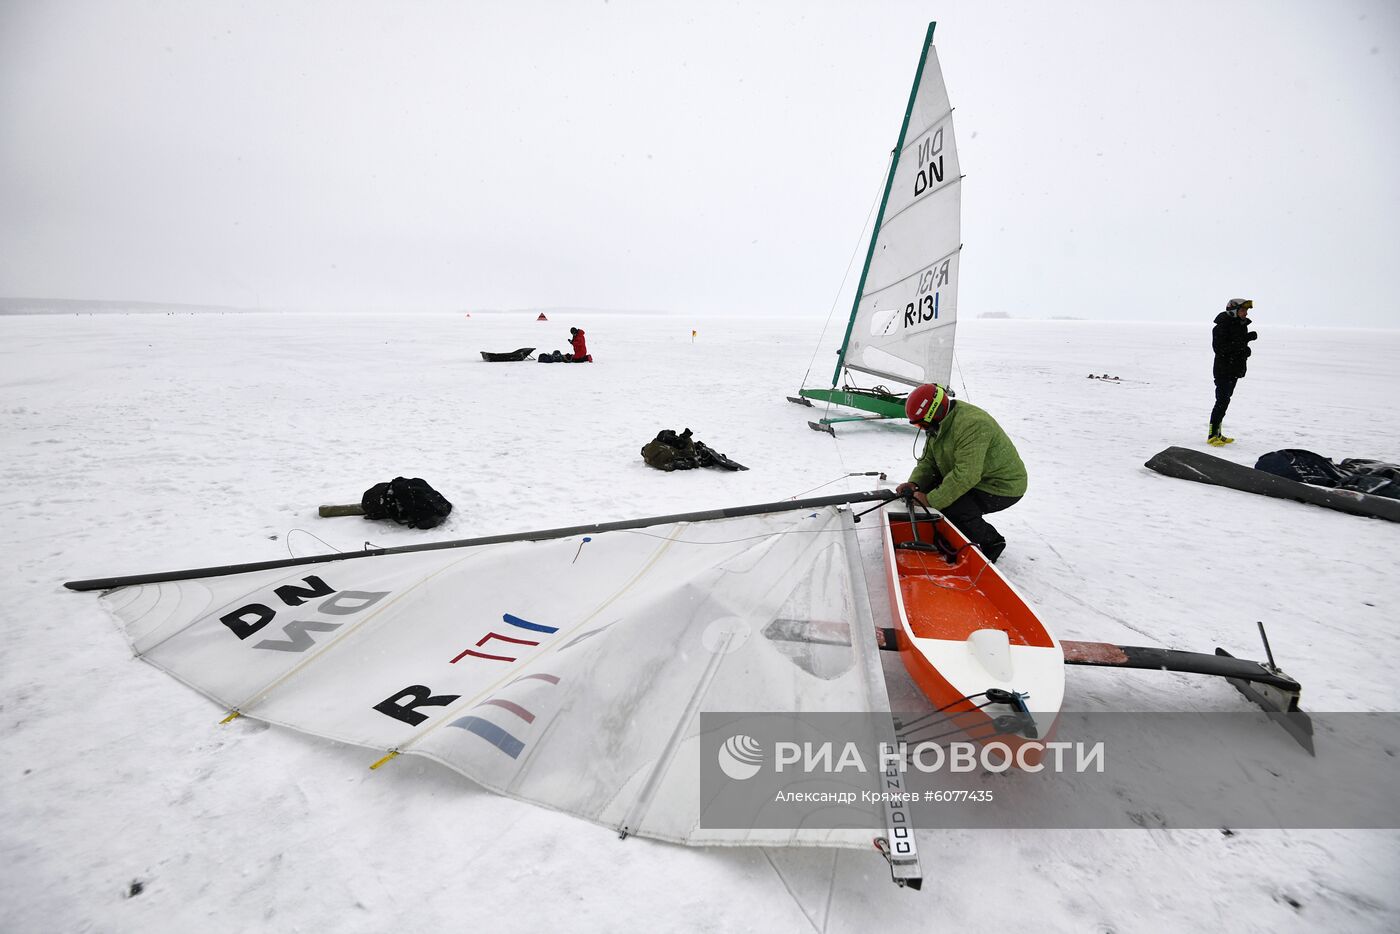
(516, 709)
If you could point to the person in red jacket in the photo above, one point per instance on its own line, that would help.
(581, 354)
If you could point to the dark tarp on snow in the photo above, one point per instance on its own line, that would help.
(1363, 475)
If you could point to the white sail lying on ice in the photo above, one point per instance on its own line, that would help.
(568, 672)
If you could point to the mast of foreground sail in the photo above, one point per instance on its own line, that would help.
(884, 199)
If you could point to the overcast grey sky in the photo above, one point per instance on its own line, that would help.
(1123, 159)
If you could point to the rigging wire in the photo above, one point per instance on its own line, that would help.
(907, 730)
(994, 727)
(729, 541)
(287, 540)
(838, 479)
(906, 725)
(791, 894)
(971, 582)
(841, 454)
(846, 275)
(928, 570)
(962, 377)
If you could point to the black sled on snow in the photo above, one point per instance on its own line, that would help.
(513, 357)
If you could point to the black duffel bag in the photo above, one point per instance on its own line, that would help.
(407, 501)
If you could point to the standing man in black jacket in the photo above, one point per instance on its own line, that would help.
(1230, 340)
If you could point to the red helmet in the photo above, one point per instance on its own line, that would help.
(928, 403)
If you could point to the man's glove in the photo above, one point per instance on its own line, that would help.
(1251, 337)
(912, 489)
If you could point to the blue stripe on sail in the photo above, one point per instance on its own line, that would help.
(524, 624)
(491, 733)
(935, 305)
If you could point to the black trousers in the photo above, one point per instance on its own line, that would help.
(1224, 389)
(966, 513)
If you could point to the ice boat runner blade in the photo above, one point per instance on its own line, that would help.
(1279, 702)
(1267, 686)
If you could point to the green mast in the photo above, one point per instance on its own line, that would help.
(884, 199)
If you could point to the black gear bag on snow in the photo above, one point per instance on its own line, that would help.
(409, 502)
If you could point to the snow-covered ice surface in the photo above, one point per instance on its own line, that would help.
(134, 443)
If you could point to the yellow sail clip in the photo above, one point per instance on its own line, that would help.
(392, 754)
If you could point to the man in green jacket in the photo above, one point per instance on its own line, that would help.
(968, 468)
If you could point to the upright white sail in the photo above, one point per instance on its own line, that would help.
(907, 307)
(569, 672)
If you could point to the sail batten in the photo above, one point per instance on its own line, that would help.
(931, 193)
(927, 127)
(877, 290)
(904, 378)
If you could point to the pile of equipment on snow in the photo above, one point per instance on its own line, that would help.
(1363, 475)
(580, 354)
(558, 356)
(670, 451)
